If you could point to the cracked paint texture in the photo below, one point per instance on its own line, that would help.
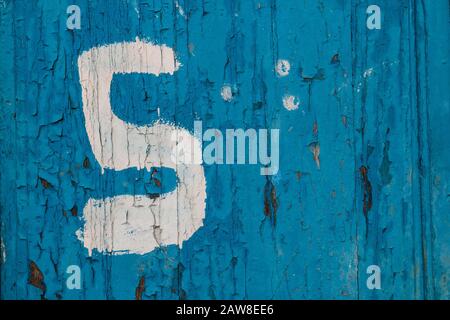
(372, 125)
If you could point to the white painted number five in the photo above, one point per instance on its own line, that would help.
(136, 223)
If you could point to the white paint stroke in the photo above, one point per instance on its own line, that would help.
(129, 223)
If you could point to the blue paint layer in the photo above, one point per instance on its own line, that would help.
(376, 102)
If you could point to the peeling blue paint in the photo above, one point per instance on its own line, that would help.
(376, 99)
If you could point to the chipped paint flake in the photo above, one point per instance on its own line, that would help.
(314, 147)
(291, 102)
(227, 93)
(2, 251)
(368, 73)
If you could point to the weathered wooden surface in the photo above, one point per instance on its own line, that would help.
(374, 102)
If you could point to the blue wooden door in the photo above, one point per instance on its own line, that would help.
(355, 106)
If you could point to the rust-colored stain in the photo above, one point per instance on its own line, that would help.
(367, 196)
(156, 181)
(140, 288)
(45, 183)
(315, 128)
(335, 59)
(74, 211)
(298, 174)
(36, 277)
(86, 163)
(270, 201)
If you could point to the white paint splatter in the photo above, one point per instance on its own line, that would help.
(227, 93)
(129, 223)
(282, 68)
(291, 102)
(180, 9)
